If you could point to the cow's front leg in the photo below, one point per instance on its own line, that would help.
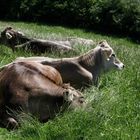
(24, 45)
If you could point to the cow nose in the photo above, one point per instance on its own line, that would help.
(121, 65)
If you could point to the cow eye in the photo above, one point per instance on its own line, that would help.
(113, 55)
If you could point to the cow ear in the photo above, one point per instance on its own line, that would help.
(8, 36)
(9, 28)
(105, 47)
(102, 43)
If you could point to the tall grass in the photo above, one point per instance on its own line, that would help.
(113, 108)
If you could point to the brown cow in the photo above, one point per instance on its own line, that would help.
(15, 39)
(33, 88)
(85, 69)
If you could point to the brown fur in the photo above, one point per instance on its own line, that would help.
(33, 88)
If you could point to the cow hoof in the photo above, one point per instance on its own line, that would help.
(12, 123)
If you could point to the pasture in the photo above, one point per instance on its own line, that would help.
(113, 108)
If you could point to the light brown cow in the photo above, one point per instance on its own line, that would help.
(85, 69)
(33, 88)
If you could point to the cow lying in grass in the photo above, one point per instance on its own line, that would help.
(33, 88)
(15, 40)
(85, 69)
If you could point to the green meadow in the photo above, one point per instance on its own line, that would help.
(113, 109)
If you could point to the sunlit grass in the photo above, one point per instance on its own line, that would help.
(112, 112)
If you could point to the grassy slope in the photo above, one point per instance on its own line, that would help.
(113, 108)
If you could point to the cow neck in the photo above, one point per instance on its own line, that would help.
(92, 61)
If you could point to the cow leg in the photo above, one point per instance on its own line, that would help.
(24, 45)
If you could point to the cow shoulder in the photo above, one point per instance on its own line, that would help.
(45, 70)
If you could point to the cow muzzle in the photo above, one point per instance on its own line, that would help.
(119, 66)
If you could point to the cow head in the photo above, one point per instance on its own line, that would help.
(6, 36)
(10, 36)
(6, 33)
(74, 97)
(109, 57)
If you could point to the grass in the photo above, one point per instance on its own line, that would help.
(113, 108)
